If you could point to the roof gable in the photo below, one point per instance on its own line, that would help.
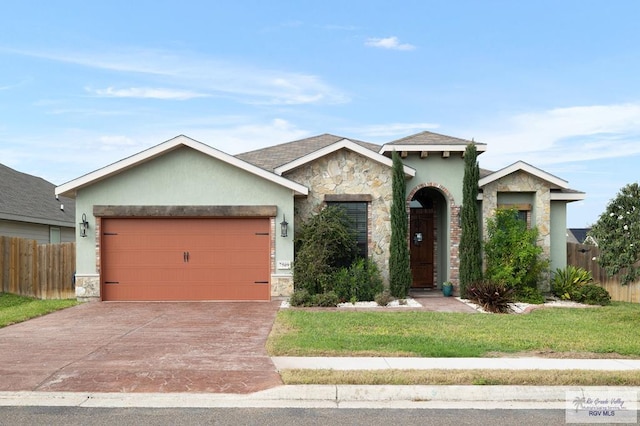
(341, 144)
(272, 157)
(28, 198)
(69, 189)
(527, 168)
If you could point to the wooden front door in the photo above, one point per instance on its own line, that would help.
(422, 248)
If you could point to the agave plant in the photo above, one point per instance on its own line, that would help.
(567, 282)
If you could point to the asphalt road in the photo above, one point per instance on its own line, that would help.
(16, 416)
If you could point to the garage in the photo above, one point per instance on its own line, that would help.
(174, 259)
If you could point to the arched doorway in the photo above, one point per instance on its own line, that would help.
(428, 229)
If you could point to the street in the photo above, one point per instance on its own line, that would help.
(273, 416)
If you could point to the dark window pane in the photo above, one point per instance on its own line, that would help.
(357, 214)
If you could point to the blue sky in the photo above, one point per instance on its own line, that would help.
(552, 83)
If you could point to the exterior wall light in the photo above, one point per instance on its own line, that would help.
(84, 225)
(283, 227)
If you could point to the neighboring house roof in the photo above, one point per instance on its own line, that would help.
(70, 188)
(276, 156)
(580, 236)
(577, 235)
(430, 142)
(559, 187)
(28, 198)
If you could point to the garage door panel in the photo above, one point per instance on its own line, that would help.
(186, 259)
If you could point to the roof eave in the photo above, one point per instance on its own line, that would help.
(480, 148)
(568, 196)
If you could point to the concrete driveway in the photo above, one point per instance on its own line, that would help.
(142, 347)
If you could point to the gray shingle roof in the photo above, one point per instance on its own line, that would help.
(274, 156)
(29, 198)
(430, 138)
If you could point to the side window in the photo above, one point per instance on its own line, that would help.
(357, 212)
(54, 235)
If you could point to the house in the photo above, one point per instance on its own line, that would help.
(580, 236)
(29, 209)
(185, 221)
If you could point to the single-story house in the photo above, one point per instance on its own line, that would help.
(185, 221)
(29, 209)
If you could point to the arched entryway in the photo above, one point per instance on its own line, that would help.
(428, 230)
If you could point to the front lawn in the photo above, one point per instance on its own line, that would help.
(608, 330)
(15, 309)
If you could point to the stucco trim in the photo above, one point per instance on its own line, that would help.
(527, 168)
(564, 196)
(341, 144)
(185, 211)
(69, 189)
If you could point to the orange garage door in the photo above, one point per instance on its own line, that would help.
(185, 259)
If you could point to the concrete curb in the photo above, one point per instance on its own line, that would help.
(324, 396)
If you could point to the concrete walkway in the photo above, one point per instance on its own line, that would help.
(399, 363)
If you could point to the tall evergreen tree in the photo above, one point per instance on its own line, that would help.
(470, 244)
(399, 261)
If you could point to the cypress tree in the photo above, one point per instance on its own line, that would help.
(399, 261)
(470, 245)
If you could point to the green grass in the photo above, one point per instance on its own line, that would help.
(613, 329)
(15, 309)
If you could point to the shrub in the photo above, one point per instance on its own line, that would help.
(300, 298)
(567, 282)
(491, 296)
(360, 282)
(383, 298)
(592, 294)
(512, 254)
(325, 243)
(529, 295)
(325, 300)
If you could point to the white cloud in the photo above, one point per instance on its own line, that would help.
(248, 136)
(393, 129)
(240, 82)
(389, 43)
(147, 93)
(564, 135)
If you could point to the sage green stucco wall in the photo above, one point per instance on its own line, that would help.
(447, 172)
(182, 177)
(446, 175)
(558, 254)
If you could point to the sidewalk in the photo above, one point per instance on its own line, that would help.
(362, 396)
(399, 363)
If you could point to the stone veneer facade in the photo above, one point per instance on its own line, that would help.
(523, 182)
(345, 172)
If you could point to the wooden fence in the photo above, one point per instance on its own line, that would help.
(584, 256)
(44, 271)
